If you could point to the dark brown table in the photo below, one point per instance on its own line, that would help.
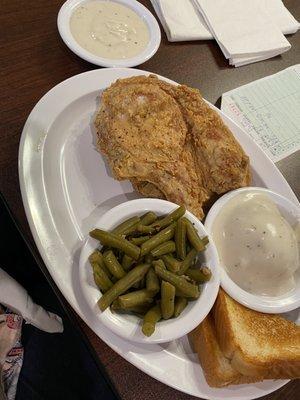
(34, 59)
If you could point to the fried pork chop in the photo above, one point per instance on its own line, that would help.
(168, 142)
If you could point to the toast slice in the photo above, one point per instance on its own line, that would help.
(217, 369)
(257, 344)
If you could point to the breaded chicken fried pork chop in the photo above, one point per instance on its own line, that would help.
(168, 142)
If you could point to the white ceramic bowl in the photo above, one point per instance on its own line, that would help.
(63, 24)
(278, 304)
(129, 326)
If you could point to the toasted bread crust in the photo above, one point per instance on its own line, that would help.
(217, 369)
(269, 346)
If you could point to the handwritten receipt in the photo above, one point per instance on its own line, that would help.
(269, 110)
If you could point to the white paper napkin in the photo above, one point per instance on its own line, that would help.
(240, 61)
(181, 20)
(243, 31)
(14, 296)
(280, 15)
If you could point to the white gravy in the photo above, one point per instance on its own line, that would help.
(108, 29)
(256, 245)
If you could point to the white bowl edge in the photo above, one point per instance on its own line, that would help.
(280, 304)
(166, 330)
(63, 18)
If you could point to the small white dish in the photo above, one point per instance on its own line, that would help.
(63, 24)
(129, 326)
(268, 304)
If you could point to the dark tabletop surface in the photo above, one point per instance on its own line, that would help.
(34, 59)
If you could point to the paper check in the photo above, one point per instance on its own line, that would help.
(269, 111)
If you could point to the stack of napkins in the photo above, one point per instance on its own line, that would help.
(245, 31)
(181, 21)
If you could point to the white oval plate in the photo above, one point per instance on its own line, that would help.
(66, 186)
(63, 24)
(129, 326)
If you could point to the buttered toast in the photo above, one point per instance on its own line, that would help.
(257, 344)
(236, 345)
(216, 367)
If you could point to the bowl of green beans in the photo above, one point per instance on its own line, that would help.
(149, 271)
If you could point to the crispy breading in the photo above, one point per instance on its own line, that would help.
(168, 142)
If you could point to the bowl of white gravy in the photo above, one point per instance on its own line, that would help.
(109, 33)
(257, 233)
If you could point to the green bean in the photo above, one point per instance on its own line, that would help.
(140, 284)
(205, 240)
(193, 236)
(117, 242)
(136, 285)
(150, 319)
(179, 293)
(104, 249)
(148, 258)
(127, 262)
(113, 265)
(123, 227)
(148, 218)
(135, 298)
(143, 283)
(180, 304)
(115, 305)
(118, 254)
(152, 282)
(120, 287)
(161, 237)
(179, 282)
(97, 257)
(170, 218)
(101, 279)
(145, 229)
(199, 275)
(139, 240)
(159, 262)
(171, 263)
(164, 248)
(140, 309)
(187, 262)
(167, 299)
(180, 239)
(131, 230)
